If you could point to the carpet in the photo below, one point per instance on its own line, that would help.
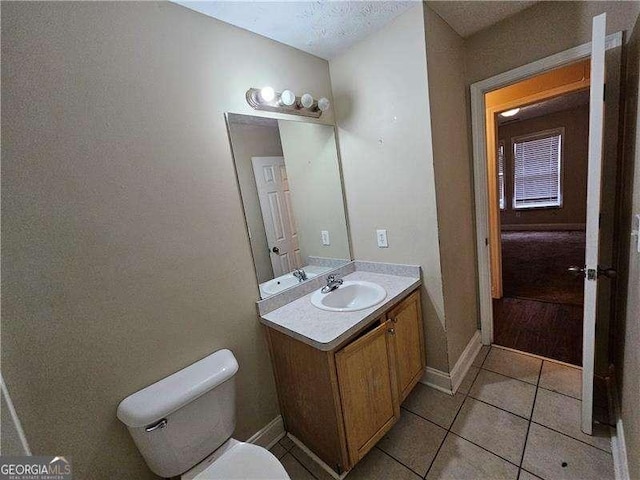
(534, 266)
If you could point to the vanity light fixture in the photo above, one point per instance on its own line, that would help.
(306, 100)
(286, 102)
(267, 94)
(324, 104)
(288, 98)
(510, 113)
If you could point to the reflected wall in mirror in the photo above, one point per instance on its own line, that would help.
(291, 189)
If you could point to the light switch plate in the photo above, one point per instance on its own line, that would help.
(325, 237)
(636, 231)
(381, 235)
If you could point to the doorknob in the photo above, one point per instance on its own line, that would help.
(275, 250)
(607, 272)
(602, 272)
(577, 271)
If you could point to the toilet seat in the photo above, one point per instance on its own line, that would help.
(243, 461)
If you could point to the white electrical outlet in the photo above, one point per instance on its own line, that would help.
(325, 237)
(381, 235)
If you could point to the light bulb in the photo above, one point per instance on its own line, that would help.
(287, 97)
(267, 94)
(510, 113)
(306, 100)
(323, 104)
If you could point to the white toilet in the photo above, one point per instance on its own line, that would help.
(182, 425)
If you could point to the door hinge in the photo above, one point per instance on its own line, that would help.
(486, 242)
(604, 92)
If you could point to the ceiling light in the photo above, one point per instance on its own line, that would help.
(306, 100)
(510, 113)
(287, 97)
(267, 94)
(323, 104)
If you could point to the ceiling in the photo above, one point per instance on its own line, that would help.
(323, 28)
(467, 18)
(547, 107)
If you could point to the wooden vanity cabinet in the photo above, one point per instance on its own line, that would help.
(368, 389)
(341, 402)
(407, 324)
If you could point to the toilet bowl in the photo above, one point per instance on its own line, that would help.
(190, 415)
(238, 460)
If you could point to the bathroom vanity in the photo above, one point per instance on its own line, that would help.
(341, 376)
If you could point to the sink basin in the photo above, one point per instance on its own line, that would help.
(350, 297)
(281, 283)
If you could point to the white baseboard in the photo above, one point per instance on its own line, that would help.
(268, 435)
(316, 459)
(543, 226)
(437, 379)
(618, 443)
(449, 382)
(463, 364)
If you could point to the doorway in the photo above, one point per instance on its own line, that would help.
(541, 151)
(605, 52)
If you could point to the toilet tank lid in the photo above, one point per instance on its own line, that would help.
(156, 401)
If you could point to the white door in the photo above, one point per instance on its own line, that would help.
(277, 213)
(594, 184)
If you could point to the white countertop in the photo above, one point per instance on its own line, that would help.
(326, 330)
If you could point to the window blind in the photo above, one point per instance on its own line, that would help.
(537, 171)
(501, 175)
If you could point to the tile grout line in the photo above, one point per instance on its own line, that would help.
(290, 452)
(572, 438)
(396, 460)
(500, 408)
(533, 407)
(466, 395)
(532, 421)
(509, 376)
(485, 449)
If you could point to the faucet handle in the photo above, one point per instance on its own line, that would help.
(331, 278)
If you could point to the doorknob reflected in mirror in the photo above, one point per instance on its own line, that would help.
(275, 250)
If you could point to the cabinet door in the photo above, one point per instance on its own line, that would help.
(406, 320)
(368, 391)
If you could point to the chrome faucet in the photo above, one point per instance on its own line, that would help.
(300, 274)
(332, 284)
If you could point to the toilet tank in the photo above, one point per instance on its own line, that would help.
(180, 420)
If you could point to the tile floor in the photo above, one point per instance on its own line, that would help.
(514, 417)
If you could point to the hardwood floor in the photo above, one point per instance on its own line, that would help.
(551, 330)
(534, 265)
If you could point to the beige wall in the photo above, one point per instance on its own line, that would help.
(125, 255)
(311, 158)
(575, 151)
(254, 141)
(452, 166)
(384, 130)
(627, 330)
(539, 31)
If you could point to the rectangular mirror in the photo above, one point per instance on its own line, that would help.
(289, 178)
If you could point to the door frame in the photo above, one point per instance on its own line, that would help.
(479, 128)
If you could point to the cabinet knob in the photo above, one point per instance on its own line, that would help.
(392, 331)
